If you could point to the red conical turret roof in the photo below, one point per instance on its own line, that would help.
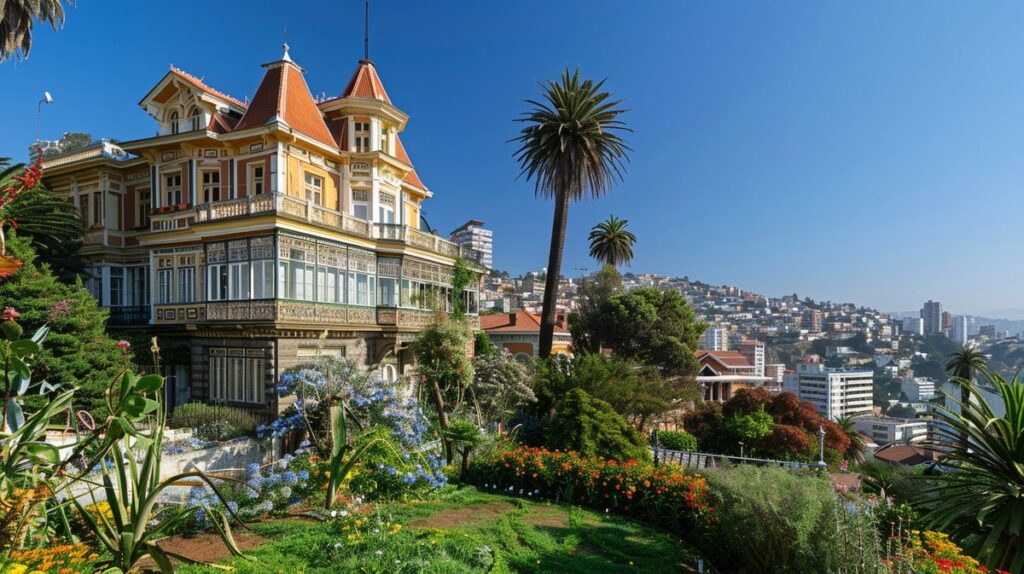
(365, 83)
(284, 96)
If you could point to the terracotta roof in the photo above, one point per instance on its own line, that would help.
(727, 358)
(199, 84)
(365, 83)
(222, 123)
(905, 454)
(411, 178)
(284, 96)
(518, 322)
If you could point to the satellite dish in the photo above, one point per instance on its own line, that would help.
(47, 97)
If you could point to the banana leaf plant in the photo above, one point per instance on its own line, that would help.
(131, 485)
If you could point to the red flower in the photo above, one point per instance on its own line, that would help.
(9, 314)
(125, 345)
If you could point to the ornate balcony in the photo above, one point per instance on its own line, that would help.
(183, 216)
(128, 316)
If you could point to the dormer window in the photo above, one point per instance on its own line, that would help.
(196, 119)
(173, 119)
(362, 137)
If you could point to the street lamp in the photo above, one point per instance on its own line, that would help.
(821, 448)
(46, 99)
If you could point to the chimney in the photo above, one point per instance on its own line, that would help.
(512, 319)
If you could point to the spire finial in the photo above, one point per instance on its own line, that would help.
(366, 30)
(286, 56)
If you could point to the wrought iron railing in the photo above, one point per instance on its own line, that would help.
(128, 316)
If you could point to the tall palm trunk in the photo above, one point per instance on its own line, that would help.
(547, 326)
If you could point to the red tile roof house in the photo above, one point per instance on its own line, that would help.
(519, 333)
(722, 373)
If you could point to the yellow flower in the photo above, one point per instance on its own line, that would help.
(17, 569)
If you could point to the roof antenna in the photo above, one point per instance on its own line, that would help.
(366, 30)
(285, 44)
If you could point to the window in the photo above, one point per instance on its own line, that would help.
(83, 208)
(386, 208)
(196, 119)
(238, 375)
(97, 211)
(140, 286)
(296, 280)
(362, 137)
(173, 120)
(361, 203)
(361, 289)
(239, 280)
(186, 284)
(116, 286)
(144, 206)
(165, 286)
(384, 139)
(327, 285)
(388, 292)
(172, 188)
(217, 282)
(256, 179)
(314, 188)
(263, 279)
(211, 185)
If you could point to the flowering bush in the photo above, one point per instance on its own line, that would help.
(663, 496)
(268, 490)
(57, 559)
(933, 553)
(402, 461)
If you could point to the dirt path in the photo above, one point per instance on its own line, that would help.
(472, 515)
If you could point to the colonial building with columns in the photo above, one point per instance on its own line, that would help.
(251, 235)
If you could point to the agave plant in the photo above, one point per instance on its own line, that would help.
(132, 486)
(980, 502)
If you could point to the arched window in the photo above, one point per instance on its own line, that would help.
(389, 373)
(196, 118)
(172, 118)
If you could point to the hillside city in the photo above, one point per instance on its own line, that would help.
(241, 329)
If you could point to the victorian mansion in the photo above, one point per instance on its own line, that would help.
(250, 236)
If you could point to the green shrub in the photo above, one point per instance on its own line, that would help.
(677, 440)
(773, 519)
(591, 427)
(214, 422)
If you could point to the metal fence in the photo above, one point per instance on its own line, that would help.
(218, 422)
(699, 460)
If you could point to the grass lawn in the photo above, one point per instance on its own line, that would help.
(463, 530)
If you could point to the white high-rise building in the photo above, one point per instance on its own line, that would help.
(913, 326)
(835, 393)
(960, 329)
(931, 312)
(715, 339)
(918, 389)
(472, 235)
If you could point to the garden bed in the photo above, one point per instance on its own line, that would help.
(463, 530)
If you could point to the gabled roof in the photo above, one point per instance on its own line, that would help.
(284, 97)
(202, 86)
(519, 322)
(222, 123)
(365, 83)
(728, 359)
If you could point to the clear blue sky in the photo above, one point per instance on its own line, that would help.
(854, 151)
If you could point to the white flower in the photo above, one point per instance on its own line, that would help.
(380, 552)
(334, 513)
(344, 513)
(337, 544)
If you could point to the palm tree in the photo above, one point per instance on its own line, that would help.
(978, 502)
(964, 365)
(857, 445)
(611, 243)
(52, 223)
(570, 147)
(16, 18)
